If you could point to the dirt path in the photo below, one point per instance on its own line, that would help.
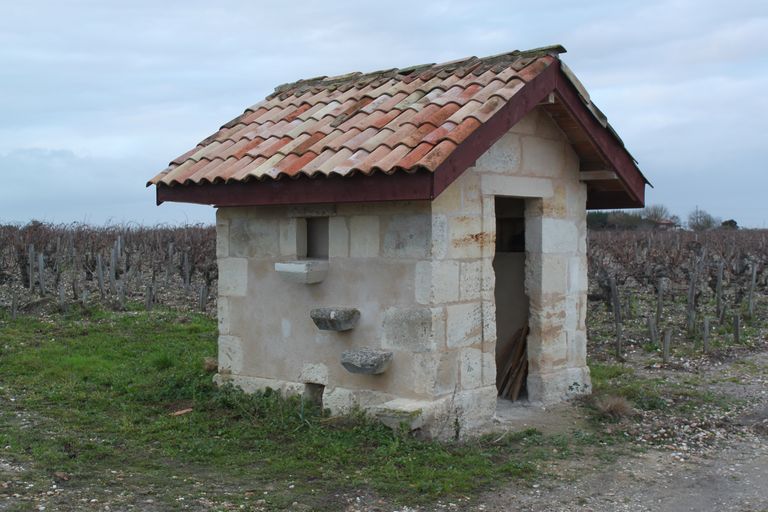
(734, 478)
(731, 476)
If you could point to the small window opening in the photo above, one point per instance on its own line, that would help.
(313, 394)
(317, 238)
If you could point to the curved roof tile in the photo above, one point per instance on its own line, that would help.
(402, 119)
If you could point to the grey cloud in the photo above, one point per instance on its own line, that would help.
(122, 88)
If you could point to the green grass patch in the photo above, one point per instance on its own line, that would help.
(91, 396)
(653, 393)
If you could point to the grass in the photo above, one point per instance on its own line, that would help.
(653, 393)
(89, 397)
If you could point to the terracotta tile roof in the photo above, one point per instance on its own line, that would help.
(407, 119)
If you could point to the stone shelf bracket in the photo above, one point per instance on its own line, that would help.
(335, 319)
(366, 361)
(303, 271)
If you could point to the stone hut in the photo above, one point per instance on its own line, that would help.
(386, 240)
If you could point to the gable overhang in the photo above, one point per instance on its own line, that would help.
(618, 184)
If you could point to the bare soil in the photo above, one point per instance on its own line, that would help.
(728, 474)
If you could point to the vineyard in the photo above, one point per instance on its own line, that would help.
(694, 290)
(45, 266)
(100, 408)
(676, 282)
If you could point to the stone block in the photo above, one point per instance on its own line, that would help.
(338, 237)
(577, 348)
(559, 385)
(461, 414)
(542, 157)
(251, 384)
(222, 237)
(527, 125)
(364, 236)
(223, 315)
(366, 361)
(554, 274)
(449, 200)
(476, 409)
(293, 237)
(572, 165)
(488, 284)
(439, 236)
(314, 373)
(471, 199)
(470, 280)
(254, 237)
(436, 374)
(503, 157)
(407, 236)
(556, 207)
(466, 237)
(335, 319)
(489, 368)
(413, 329)
(464, 324)
(303, 272)
(471, 368)
(342, 400)
(230, 354)
(554, 235)
(437, 282)
(577, 275)
(547, 350)
(515, 186)
(489, 325)
(402, 413)
(233, 277)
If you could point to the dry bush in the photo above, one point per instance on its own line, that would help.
(614, 407)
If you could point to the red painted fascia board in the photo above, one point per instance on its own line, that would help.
(400, 186)
(552, 79)
(612, 150)
(486, 135)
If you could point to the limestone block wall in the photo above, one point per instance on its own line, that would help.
(533, 161)
(422, 276)
(377, 254)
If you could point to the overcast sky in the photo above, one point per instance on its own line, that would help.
(96, 97)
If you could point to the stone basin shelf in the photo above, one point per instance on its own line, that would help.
(366, 361)
(303, 271)
(335, 319)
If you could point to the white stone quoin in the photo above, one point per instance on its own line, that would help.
(422, 276)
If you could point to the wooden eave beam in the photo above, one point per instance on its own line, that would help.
(598, 176)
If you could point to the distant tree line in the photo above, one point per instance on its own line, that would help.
(656, 216)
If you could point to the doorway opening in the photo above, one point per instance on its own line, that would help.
(511, 299)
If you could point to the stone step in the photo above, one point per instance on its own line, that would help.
(335, 319)
(366, 361)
